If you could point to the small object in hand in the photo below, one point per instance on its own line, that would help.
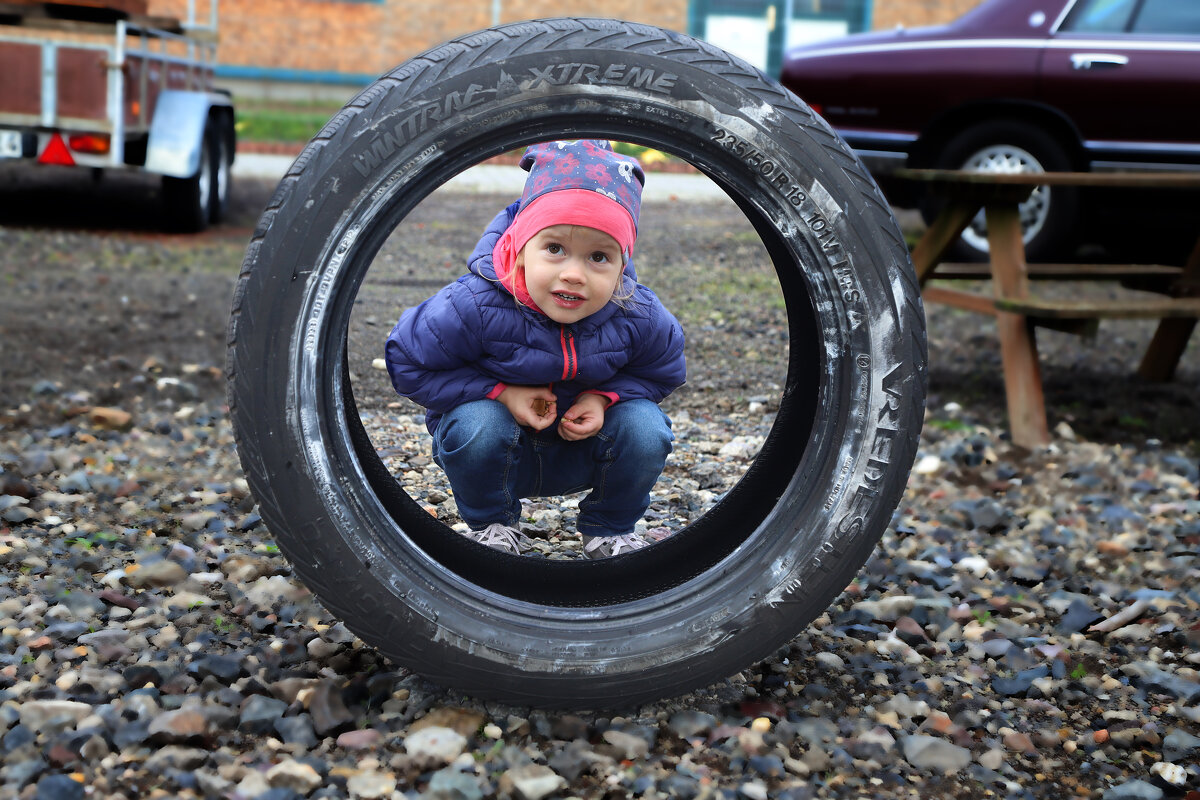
(540, 406)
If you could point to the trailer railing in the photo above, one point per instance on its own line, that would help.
(184, 59)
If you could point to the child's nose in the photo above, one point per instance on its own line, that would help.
(572, 272)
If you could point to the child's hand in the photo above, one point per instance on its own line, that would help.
(531, 406)
(583, 419)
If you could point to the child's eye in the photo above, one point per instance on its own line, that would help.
(600, 257)
(554, 248)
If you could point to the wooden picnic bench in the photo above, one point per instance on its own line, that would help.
(1173, 292)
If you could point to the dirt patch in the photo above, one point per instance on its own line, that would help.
(95, 298)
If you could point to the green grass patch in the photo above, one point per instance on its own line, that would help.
(265, 120)
(260, 120)
(646, 155)
(96, 539)
(278, 125)
(949, 424)
(724, 286)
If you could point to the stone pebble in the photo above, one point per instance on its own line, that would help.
(153, 638)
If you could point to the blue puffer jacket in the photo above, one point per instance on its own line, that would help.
(473, 334)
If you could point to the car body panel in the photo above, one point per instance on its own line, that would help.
(1113, 98)
(1146, 84)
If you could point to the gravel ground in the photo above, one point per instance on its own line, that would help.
(1028, 626)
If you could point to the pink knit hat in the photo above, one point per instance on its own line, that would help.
(573, 183)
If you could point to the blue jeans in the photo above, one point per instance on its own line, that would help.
(492, 462)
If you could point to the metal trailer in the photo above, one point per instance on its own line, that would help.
(130, 92)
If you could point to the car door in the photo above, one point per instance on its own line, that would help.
(1122, 70)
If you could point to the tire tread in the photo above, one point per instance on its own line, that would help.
(337, 571)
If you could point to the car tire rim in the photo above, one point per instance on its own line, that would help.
(1008, 159)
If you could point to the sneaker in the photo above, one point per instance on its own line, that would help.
(500, 537)
(605, 546)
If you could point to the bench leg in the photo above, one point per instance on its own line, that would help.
(1018, 345)
(1171, 336)
(1166, 348)
(941, 233)
(1022, 381)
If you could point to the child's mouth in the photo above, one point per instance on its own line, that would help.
(568, 299)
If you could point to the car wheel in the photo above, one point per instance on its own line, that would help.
(733, 586)
(1048, 217)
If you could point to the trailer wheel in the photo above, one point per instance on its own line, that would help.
(722, 593)
(189, 201)
(222, 173)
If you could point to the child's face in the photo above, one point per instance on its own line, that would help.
(571, 271)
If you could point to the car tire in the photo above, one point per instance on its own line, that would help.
(1049, 218)
(732, 587)
(188, 201)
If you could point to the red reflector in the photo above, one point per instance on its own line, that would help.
(89, 143)
(56, 152)
(817, 108)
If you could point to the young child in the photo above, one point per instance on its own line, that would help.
(541, 369)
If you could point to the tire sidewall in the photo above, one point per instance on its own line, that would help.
(752, 601)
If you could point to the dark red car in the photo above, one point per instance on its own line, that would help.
(1018, 85)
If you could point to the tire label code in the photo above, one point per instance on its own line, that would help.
(592, 75)
(421, 114)
(328, 277)
(886, 428)
(416, 122)
(795, 194)
(778, 178)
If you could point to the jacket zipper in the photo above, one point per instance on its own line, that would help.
(570, 363)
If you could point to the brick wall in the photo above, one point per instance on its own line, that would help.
(914, 13)
(368, 38)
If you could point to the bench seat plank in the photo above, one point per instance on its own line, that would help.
(1150, 308)
(1061, 272)
(1018, 312)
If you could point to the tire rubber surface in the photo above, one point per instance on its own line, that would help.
(728, 590)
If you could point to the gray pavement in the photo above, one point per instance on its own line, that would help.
(491, 178)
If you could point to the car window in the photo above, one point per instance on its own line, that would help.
(1168, 16)
(1101, 16)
